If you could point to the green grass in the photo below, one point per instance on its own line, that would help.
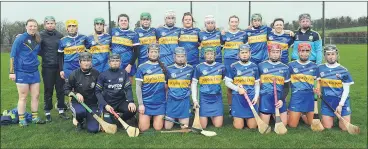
(350, 29)
(61, 134)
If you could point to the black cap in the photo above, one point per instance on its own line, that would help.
(114, 56)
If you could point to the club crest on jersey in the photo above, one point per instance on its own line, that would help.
(121, 79)
(116, 33)
(265, 70)
(108, 80)
(140, 34)
(29, 41)
(241, 38)
(227, 39)
(182, 32)
(163, 34)
(311, 70)
(270, 38)
(296, 70)
(249, 33)
(297, 37)
(149, 71)
(68, 44)
(93, 42)
(238, 72)
(188, 75)
(322, 74)
(194, 32)
(310, 38)
(173, 75)
(281, 71)
(204, 37)
(204, 72)
(92, 85)
(217, 36)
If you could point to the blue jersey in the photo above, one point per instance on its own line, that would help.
(72, 46)
(146, 37)
(100, 50)
(179, 81)
(268, 71)
(209, 77)
(24, 54)
(168, 38)
(285, 40)
(245, 75)
(302, 76)
(122, 44)
(211, 39)
(232, 43)
(314, 39)
(257, 39)
(332, 79)
(189, 40)
(153, 83)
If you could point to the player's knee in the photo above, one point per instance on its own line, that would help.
(157, 127)
(292, 124)
(327, 125)
(252, 125)
(94, 129)
(217, 125)
(342, 127)
(143, 127)
(238, 126)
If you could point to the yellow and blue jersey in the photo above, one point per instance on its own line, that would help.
(285, 40)
(209, 77)
(189, 41)
(268, 71)
(257, 39)
(23, 54)
(146, 37)
(122, 43)
(71, 47)
(153, 83)
(332, 80)
(168, 39)
(232, 43)
(100, 51)
(245, 75)
(314, 39)
(302, 76)
(210, 39)
(179, 80)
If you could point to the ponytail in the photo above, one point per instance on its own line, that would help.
(163, 68)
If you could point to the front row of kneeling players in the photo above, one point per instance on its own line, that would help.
(155, 83)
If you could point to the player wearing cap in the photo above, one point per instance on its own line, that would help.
(82, 83)
(114, 91)
(179, 76)
(147, 36)
(270, 70)
(243, 78)
(99, 45)
(168, 38)
(306, 34)
(335, 81)
(209, 75)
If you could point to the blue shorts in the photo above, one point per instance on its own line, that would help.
(334, 101)
(267, 103)
(240, 107)
(228, 62)
(132, 70)
(210, 105)
(27, 77)
(154, 109)
(302, 101)
(178, 108)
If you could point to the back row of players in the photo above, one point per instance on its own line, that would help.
(246, 68)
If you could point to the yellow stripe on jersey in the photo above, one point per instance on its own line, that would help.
(189, 38)
(232, 45)
(210, 79)
(11, 67)
(178, 83)
(122, 41)
(168, 40)
(302, 78)
(155, 78)
(331, 83)
(244, 80)
(267, 78)
(99, 49)
(259, 38)
(284, 46)
(211, 43)
(147, 40)
(74, 49)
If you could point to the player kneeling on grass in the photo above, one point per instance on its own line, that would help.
(243, 78)
(269, 70)
(114, 91)
(82, 82)
(150, 89)
(303, 74)
(178, 97)
(335, 81)
(209, 75)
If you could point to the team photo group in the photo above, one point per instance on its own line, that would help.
(178, 73)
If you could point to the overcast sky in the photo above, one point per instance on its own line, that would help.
(85, 12)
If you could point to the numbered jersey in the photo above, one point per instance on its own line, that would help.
(245, 75)
(189, 40)
(123, 42)
(269, 71)
(168, 38)
(257, 39)
(100, 50)
(210, 39)
(146, 37)
(179, 81)
(285, 40)
(232, 43)
(209, 77)
(302, 76)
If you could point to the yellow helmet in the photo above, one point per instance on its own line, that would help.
(71, 22)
